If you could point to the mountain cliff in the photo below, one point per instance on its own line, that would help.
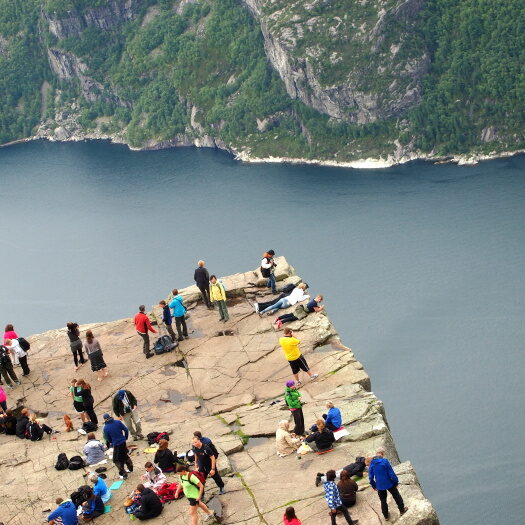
(333, 80)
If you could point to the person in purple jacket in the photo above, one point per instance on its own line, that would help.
(383, 478)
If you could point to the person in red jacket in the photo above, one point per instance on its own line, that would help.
(143, 326)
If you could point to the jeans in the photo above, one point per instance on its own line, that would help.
(76, 348)
(298, 420)
(281, 303)
(271, 283)
(205, 292)
(132, 421)
(223, 310)
(397, 498)
(145, 339)
(345, 512)
(182, 329)
(24, 365)
(7, 371)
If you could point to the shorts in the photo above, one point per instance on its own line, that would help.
(299, 364)
(193, 502)
(79, 407)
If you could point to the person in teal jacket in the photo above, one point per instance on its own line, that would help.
(292, 399)
(382, 479)
(179, 311)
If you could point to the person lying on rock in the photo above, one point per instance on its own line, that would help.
(150, 504)
(286, 442)
(332, 419)
(334, 499)
(286, 291)
(297, 295)
(301, 311)
(354, 469)
(64, 514)
(321, 440)
(153, 478)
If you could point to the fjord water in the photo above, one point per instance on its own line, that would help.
(421, 266)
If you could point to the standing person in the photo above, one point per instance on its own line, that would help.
(347, 489)
(218, 296)
(64, 514)
(202, 280)
(267, 269)
(75, 343)
(290, 347)
(125, 407)
(6, 368)
(143, 327)
(301, 311)
(383, 478)
(193, 490)
(297, 295)
(293, 402)
(116, 434)
(9, 332)
(87, 400)
(290, 518)
(95, 355)
(179, 311)
(150, 504)
(19, 354)
(94, 450)
(167, 319)
(206, 460)
(331, 493)
(78, 401)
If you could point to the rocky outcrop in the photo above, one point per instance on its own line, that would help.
(369, 64)
(227, 380)
(103, 17)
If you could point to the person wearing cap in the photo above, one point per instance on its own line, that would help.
(286, 442)
(267, 269)
(143, 326)
(293, 402)
(125, 407)
(116, 434)
(290, 346)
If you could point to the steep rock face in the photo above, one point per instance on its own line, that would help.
(354, 61)
(104, 17)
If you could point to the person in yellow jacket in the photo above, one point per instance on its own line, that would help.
(290, 346)
(218, 296)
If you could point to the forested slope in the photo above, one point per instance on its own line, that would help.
(319, 79)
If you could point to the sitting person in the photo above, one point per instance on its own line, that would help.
(21, 424)
(153, 477)
(332, 419)
(301, 311)
(36, 430)
(285, 441)
(8, 423)
(93, 507)
(290, 518)
(347, 489)
(322, 439)
(100, 488)
(94, 450)
(295, 297)
(64, 514)
(353, 469)
(164, 457)
(287, 290)
(150, 504)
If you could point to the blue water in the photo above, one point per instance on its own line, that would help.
(421, 266)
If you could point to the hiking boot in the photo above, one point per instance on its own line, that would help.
(403, 511)
(222, 491)
(387, 518)
(355, 522)
(124, 476)
(18, 382)
(140, 436)
(149, 355)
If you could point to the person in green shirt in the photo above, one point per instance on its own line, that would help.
(78, 401)
(193, 490)
(293, 402)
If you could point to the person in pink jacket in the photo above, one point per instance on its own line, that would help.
(290, 518)
(9, 332)
(3, 399)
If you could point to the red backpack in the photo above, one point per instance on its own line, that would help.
(199, 475)
(167, 492)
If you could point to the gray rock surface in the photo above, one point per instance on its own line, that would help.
(227, 380)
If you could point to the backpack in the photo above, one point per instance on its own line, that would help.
(164, 344)
(76, 463)
(209, 443)
(155, 437)
(62, 462)
(24, 344)
(4, 355)
(199, 475)
(89, 426)
(166, 492)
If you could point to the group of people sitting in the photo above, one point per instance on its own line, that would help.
(25, 426)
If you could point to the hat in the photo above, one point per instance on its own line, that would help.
(106, 416)
(271, 252)
(121, 394)
(290, 383)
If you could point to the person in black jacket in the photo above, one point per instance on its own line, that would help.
(8, 423)
(87, 400)
(164, 457)
(167, 319)
(35, 430)
(150, 504)
(321, 440)
(125, 407)
(21, 424)
(202, 280)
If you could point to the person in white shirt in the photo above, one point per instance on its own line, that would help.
(297, 295)
(267, 270)
(19, 355)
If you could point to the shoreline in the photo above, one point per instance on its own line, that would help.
(241, 156)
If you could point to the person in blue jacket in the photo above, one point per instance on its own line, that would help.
(167, 319)
(179, 311)
(383, 478)
(65, 513)
(116, 434)
(332, 419)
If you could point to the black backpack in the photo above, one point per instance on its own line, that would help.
(89, 426)
(62, 462)
(155, 437)
(4, 355)
(213, 448)
(24, 344)
(76, 463)
(288, 289)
